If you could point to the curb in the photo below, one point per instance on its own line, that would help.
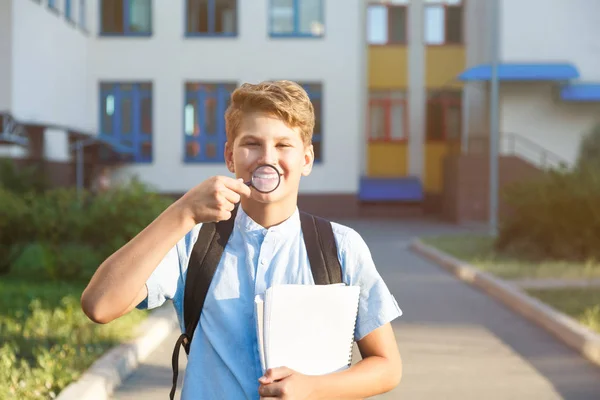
(110, 370)
(571, 332)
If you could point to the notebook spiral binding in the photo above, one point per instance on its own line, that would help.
(351, 352)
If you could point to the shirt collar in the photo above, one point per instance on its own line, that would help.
(246, 224)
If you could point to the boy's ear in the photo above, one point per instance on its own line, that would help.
(309, 158)
(229, 158)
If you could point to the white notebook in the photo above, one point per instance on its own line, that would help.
(308, 328)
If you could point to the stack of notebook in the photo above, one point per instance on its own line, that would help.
(308, 328)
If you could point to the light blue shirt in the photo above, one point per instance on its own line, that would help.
(224, 362)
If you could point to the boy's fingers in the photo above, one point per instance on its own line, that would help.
(275, 374)
(238, 186)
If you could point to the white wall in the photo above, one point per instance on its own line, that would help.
(56, 145)
(553, 31)
(535, 112)
(5, 54)
(49, 67)
(169, 60)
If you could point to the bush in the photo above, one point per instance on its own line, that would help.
(47, 341)
(556, 217)
(15, 228)
(117, 216)
(21, 180)
(589, 151)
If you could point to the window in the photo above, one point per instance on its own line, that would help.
(52, 4)
(211, 17)
(204, 121)
(387, 23)
(126, 17)
(444, 22)
(315, 93)
(387, 116)
(82, 14)
(68, 10)
(444, 116)
(126, 117)
(296, 18)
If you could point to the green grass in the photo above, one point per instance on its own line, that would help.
(47, 341)
(479, 252)
(581, 304)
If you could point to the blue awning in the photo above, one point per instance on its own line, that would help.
(522, 72)
(581, 92)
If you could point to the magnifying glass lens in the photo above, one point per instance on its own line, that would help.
(265, 178)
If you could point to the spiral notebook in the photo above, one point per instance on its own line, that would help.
(308, 328)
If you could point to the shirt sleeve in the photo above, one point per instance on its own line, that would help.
(377, 306)
(162, 284)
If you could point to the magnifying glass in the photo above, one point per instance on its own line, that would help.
(265, 179)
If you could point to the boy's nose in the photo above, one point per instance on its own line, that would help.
(268, 155)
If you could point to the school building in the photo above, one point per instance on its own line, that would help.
(400, 89)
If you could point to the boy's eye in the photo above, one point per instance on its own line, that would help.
(251, 144)
(283, 145)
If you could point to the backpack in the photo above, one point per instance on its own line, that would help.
(206, 255)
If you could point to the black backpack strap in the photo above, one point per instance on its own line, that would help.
(321, 249)
(203, 263)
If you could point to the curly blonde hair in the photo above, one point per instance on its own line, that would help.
(283, 99)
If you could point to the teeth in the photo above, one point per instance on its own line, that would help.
(266, 176)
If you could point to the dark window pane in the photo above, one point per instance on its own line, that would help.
(147, 150)
(398, 24)
(146, 111)
(112, 16)
(192, 149)
(211, 150)
(454, 27)
(197, 16)
(453, 122)
(282, 16)
(210, 116)
(435, 121)
(225, 16)
(140, 16)
(318, 117)
(146, 86)
(317, 150)
(126, 87)
(126, 112)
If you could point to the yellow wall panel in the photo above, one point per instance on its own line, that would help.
(443, 65)
(435, 152)
(388, 67)
(388, 159)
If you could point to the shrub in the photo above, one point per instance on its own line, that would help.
(556, 217)
(21, 180)
(589, 151)
(15, 229)
(117, 216)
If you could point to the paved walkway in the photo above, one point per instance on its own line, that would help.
(456, 342)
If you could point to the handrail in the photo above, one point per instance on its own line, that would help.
(12, 131)
(520, 146)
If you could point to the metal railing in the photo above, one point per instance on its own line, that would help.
(516, 145)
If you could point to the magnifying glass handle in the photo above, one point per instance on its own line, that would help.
(249, 183)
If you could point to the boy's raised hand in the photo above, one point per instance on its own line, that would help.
(214, 199)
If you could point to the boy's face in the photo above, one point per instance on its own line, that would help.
(265, 139)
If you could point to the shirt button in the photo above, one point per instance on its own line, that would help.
(262, 262)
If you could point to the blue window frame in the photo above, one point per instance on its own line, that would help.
(211, 18)
(297, 18)
(52, 4)
(315, 93)
(126, 117)
(126, 17)
(82, 14)
(204, 121)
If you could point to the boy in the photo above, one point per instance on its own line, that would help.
(270, 123)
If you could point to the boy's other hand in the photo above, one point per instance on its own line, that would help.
(287, 384)
(214, 199)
